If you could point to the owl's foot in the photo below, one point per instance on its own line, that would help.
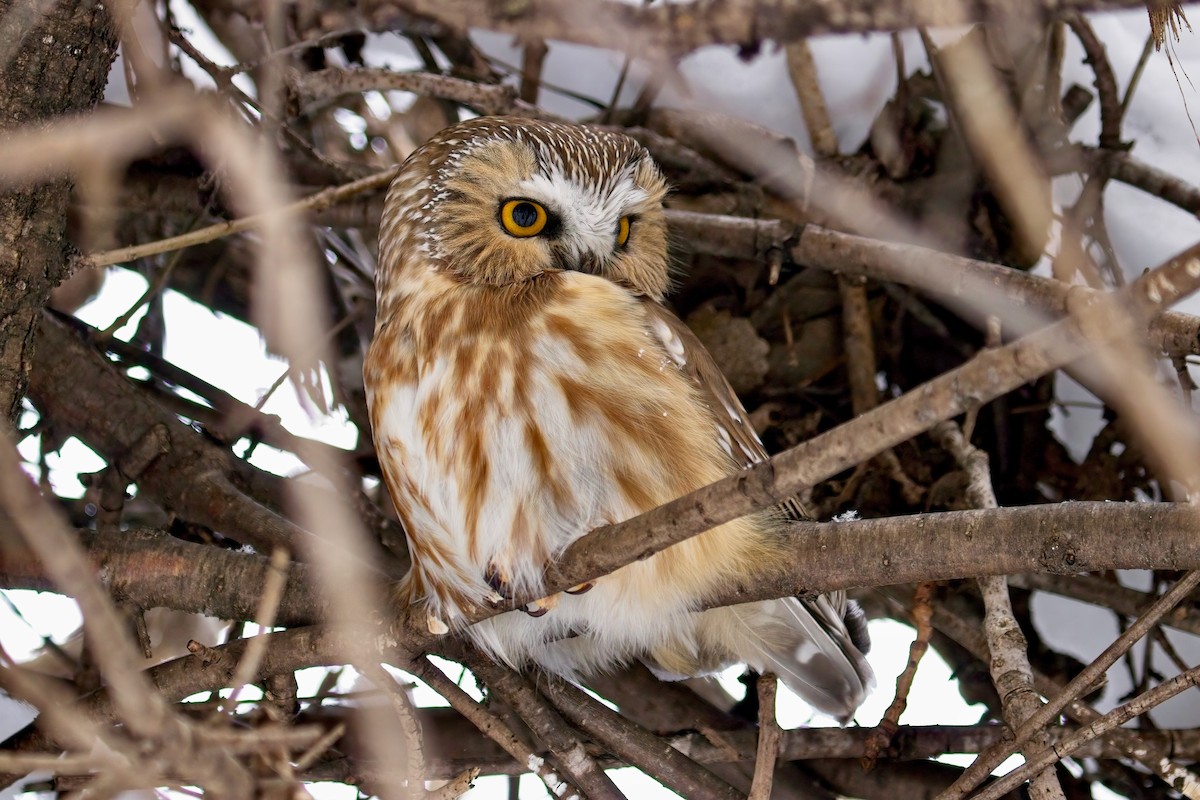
(538, 608)
(498, 580)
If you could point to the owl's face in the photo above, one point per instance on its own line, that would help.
(501, 200)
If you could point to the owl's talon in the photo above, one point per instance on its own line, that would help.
(436, 626)
(581, 588)
(497, 580)
(538, 608)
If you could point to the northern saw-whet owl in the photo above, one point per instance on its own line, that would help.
(526, 385)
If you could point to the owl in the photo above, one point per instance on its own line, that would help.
(527, 385)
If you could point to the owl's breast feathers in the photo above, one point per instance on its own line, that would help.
(512, 420)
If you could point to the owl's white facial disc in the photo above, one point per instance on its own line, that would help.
(589, 212)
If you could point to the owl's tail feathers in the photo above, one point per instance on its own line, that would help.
(816, 647)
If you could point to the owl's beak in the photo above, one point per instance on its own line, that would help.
(591, 262)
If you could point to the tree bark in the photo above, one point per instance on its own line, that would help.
(53, 67)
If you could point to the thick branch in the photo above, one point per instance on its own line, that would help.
(1056, 539)
(153, 569)
(54, 66)
(77, 390)
(1062, 539)
(987, 376)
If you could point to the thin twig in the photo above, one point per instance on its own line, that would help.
(803, 72)
(1080, 684)
(311, 204)
(566, 747)
(1011, 672)
(268, 607)
(1185, 783)
(885, 731)
(1111, 107)
(1136, 77)
(768, 739)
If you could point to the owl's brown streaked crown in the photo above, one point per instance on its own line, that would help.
(442, 210)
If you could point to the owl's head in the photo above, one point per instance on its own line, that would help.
(499, 200)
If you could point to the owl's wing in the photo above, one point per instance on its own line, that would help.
(736, 433)
(834, 612)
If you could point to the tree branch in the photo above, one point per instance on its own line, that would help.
(77, 389)
(990, 374)
(660, 31)
(153, 569)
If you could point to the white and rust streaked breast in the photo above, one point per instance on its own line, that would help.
(515, 426)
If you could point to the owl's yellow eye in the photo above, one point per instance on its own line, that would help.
(623, 231)
(523, 218)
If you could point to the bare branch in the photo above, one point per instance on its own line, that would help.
(193, 477)
(659, 31)
(1184, 782)
(988, 375)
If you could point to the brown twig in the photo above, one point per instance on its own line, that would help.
(533, 55)
(328, 84)
(634, 744)
(1183, 781)
(1111, 108)
(312, 204)
(988, 760)
(884, 733)
(567, 750)
(1138, 70)
(861, 369)
(803, 72)
(1011, 672)
(768, 739)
